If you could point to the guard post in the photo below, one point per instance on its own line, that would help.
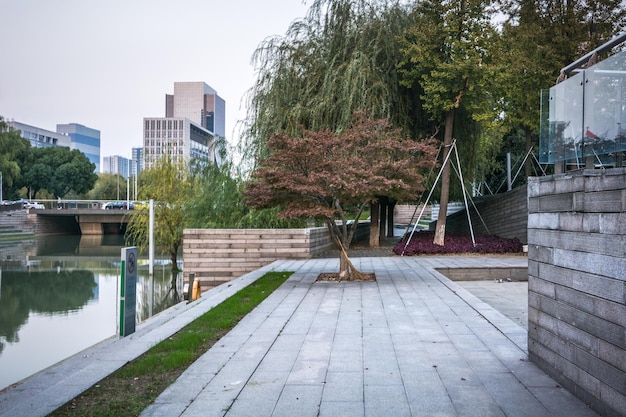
(128, 291)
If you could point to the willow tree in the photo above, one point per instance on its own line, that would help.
(445, 55)
(340, 58)
(168, 184)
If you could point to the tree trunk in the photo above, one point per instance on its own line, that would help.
(440, 230)
(382, 223)
(344, 272)
(374, 230)
(390, 207)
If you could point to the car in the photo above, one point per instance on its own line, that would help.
(33, 205)
(118, 205)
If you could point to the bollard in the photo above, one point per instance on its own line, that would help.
(196, 292)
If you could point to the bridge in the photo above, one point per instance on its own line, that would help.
(91, 221)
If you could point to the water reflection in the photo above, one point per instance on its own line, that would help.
(58, 296)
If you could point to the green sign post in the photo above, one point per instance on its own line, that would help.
(128, 291)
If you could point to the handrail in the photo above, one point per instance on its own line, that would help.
(602, 48)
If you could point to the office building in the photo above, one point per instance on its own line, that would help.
(38, 137)
(194, 118)
(116, 165)
(72, 135)
(137, 161)
(85, 139)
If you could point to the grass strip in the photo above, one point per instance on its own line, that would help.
(128, 391)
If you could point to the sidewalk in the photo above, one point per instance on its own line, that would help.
(413, 343)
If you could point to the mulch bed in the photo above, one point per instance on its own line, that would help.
(334, 277)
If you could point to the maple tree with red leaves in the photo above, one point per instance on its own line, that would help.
(334, 177)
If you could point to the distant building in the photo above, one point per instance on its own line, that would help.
(137, 161)
(38, 137)
(85, 139)
(194, 117)
(117, 165)
(72, 135)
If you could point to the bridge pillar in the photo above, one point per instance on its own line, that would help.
(90, 228)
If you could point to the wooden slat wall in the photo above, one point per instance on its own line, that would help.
(216, 256)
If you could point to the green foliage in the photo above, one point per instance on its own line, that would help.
(169, 185)
(216, 200)
(13, 151)
(269, 218)
(58, 170)
(339, 59)
(108, 187)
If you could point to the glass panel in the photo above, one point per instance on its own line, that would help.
(605, 116)
(585, 115)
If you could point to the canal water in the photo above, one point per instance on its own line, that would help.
(59, 296)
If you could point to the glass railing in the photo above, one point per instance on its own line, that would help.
(585, 115)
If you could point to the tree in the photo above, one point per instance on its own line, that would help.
(341, 58)
(58, 170)
(445, 55)
(168, 184)
(333, 177)
(108, 187)
(539, 38)
(13, 151)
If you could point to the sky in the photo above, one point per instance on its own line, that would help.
(107, 64)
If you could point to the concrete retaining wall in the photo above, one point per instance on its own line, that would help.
(216, 256)
(577, 283)
(28, 221)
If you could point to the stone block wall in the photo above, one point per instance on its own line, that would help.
(577, 283)
(216, 256)
(504, 214)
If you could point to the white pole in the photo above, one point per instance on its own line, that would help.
(128, 188)
(151, 241)
(0, 186)
(508, 171)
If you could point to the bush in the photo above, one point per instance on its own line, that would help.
(422, 244)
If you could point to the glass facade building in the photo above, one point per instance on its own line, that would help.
(117, 165)
(83, 138)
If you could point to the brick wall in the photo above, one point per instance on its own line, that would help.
(577, 282)
(216, 256)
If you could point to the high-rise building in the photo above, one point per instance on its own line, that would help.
(117, 165)
(83, 138)
(137, 161)
(194, 118)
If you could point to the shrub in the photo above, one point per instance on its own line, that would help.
(422, 244)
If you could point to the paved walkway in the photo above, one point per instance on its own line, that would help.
(413, 343)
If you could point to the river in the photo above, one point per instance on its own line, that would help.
(59, 296)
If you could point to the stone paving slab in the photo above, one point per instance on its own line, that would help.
(413, 343)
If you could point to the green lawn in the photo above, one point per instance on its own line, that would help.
(132, 388)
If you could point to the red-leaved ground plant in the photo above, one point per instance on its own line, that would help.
(422, 244)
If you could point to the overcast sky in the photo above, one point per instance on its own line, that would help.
(107, 64)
